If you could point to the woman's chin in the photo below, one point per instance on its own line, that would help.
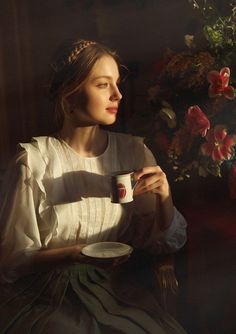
(108, 121)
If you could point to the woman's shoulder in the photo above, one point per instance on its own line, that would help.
(37, 143)
(132, 148)
(37, 153)
(39, 146)
(129, 148)
(29, 159)
(126, 139)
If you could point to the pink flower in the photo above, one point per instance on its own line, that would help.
(219, 84)
(219, 144)
(232, 182)
(197, 122)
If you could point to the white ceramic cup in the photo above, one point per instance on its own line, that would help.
(122, 186)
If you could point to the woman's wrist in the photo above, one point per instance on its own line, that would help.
(75, 254)
(166, 211)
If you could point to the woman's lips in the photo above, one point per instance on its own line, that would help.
(112, 110)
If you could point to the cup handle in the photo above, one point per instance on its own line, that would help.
(133, 182)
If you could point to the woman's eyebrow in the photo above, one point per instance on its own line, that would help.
(105, 77)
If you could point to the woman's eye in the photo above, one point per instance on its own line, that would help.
(102, 85)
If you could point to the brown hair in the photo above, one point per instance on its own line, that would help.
(74, 62)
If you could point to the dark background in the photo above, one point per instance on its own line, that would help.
(32, 30)
(140, 31)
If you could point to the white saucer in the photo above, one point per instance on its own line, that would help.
(106, 249)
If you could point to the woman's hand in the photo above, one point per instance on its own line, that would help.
(151, 179)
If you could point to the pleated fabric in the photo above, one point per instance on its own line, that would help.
(81, 299)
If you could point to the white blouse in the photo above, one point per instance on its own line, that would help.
(54, 197)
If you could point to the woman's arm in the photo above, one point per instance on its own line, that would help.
(153, 180)
(161, 226)
(50, 259)
(28, 262)
(21, 248)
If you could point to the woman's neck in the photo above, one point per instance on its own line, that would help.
(87, 141)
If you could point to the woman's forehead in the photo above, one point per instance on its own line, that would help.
(106, 66)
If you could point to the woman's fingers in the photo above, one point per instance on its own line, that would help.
(148, 187)
(145, 171)
(151, 179)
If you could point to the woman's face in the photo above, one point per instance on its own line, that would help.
(98, 100)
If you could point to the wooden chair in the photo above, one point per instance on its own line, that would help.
(167, 283)
(153, 274)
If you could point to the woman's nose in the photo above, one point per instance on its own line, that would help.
(116, 94)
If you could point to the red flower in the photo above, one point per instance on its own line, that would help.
(197, 122)
(232, 182)
(160, 64)
(219, 144)
(219, 84)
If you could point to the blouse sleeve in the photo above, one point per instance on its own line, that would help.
(18, 218)
(145, 227)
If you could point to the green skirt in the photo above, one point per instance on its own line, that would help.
(84, 299)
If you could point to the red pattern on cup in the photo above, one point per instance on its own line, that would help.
(122, 190)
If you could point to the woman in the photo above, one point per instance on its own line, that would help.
(57, 199)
